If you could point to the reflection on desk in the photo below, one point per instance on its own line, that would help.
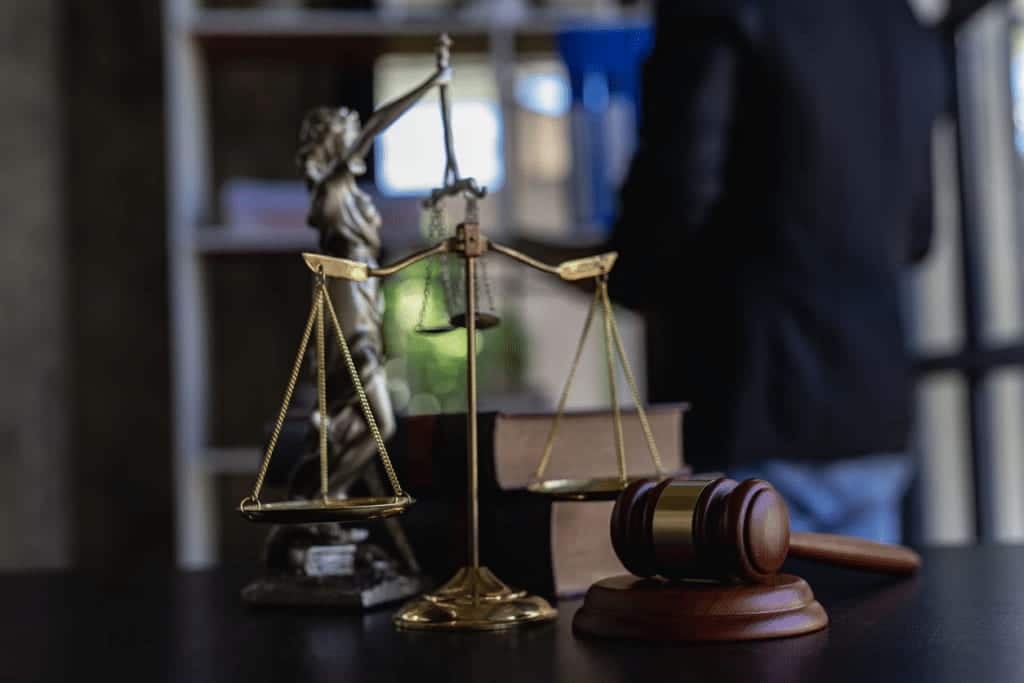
(961, 619)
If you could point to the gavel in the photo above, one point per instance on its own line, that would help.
(727, 530)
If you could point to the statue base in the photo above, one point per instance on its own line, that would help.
(325, 565)
(344, 592)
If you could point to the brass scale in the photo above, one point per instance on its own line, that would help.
(474, 599)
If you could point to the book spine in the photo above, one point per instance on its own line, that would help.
(515, 526)
(431, 455)
(515, 538)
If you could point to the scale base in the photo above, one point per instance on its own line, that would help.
(474, 600)
(654, 609)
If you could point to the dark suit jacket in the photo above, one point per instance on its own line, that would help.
(781, 186)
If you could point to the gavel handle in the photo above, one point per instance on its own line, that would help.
(855, 553)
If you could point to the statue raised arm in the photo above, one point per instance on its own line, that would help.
(333, 145)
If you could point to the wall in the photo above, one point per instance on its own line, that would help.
(120, 461)
(34, 509)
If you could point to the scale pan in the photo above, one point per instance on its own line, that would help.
(440, 329)
(484, 321)
(601, 488)
(332, 510)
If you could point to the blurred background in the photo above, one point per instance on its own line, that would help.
(152, 293)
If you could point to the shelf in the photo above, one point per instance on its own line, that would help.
(239, 460)
(347, 36)
(218, 240)
(214, 24)
(222, 240)
(220, 24)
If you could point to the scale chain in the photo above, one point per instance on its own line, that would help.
(641, 413)
(364, 403)
(426, 294)
(436, 232)
(620, 442)
(289, 391)
(543, 465)
(445, 266)
(488, 296)
(321, 381)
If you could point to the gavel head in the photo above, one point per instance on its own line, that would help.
(701, 528)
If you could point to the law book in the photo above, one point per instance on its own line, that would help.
(433, 447)
(552, 548)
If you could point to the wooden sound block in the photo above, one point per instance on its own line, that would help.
(654, 609)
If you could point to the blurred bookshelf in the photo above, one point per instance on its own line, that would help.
(220, 326)
(255, 24)
(213, 240)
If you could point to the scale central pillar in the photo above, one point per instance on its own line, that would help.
(473, 599)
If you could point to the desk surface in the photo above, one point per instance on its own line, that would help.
(962, 619)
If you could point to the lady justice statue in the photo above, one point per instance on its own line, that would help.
(324, 563)
(349, 227)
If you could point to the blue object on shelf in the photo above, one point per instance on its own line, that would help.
(604, 76)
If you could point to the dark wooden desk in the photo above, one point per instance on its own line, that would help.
(961, 620)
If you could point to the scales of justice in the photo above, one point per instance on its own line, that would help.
(474, 599)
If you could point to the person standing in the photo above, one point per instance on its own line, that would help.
(780, 188)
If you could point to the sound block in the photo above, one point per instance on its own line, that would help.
(654, 609)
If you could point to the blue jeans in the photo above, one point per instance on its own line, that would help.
(855, 497)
